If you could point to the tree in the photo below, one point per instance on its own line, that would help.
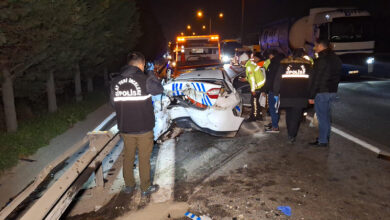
(45, 42)
(153, 42)
(109, 35)
(18, 52)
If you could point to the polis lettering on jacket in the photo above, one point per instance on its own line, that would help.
(295, 73)
(135, 89)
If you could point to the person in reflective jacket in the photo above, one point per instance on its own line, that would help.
(291, 88)
(131, 95)
(256, 79)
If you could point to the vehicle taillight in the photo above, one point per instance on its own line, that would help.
(213, 93)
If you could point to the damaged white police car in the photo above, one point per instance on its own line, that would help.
(200, 99)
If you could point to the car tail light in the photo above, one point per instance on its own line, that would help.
(213, 93)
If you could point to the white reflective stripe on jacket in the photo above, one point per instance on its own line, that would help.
(253, 87)
(131, 98)
(261, 83)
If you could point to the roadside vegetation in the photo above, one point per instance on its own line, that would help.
(37, 132)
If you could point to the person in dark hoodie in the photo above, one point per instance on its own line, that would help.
(131, 95)
(291, 87)
(271, 72)
(326, 78)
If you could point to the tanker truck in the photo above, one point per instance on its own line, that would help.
(349, 30)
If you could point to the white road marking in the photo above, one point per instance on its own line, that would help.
(356, 140)
(165, 172)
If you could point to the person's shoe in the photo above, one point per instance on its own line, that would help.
(152, 189)
(291, 140)
(268, 125)
(250, 119)
(318, 144)
(272, 130)
(128, 190)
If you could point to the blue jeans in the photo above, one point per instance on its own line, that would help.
(322, 105)
(272, 110)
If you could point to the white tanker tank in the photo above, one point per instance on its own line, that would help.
(350, 32)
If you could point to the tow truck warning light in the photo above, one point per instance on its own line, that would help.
(211, 37)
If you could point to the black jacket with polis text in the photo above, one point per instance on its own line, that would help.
(131, 93)
(326, 73)
(293, 81)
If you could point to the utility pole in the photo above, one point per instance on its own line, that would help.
(210, 25)
(242, 20)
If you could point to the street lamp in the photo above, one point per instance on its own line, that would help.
(182, 34)
(188, 27)
(193, 33)
(200, 14)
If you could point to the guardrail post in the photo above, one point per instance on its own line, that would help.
(99, 178)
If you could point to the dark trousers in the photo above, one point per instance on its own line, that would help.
(293, 120)
(144, 144)
(255, 112)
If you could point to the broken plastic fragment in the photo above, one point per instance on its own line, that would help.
(285, 210)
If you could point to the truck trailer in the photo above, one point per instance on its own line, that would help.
(349, 30)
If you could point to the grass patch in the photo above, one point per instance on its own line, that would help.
(36, 133)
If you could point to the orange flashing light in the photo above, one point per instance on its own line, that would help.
(211, 37)
(181, 39)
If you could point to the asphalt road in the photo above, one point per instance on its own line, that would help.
(363, 109)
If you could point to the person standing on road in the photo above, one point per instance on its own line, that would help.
(291, 86)
(256, 80)
(275, 57)
(326, 78)
(131, 94)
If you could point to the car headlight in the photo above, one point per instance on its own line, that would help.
(225, 58)
(370, 60)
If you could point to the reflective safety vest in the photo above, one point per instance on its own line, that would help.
(267, 62)
(254, 75)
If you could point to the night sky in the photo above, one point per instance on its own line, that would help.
(174, 15)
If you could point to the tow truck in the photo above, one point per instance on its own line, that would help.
(194, 52)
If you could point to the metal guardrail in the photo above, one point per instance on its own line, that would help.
(55, 200)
